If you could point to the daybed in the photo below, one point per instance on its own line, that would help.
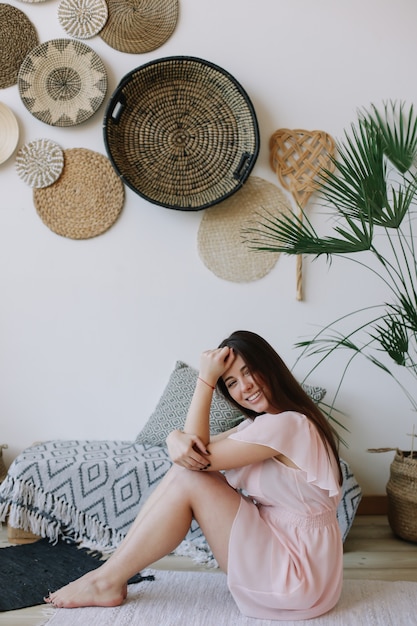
(92, 491)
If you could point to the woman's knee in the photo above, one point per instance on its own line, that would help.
(193, 478)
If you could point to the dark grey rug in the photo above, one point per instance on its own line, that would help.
(29, 572)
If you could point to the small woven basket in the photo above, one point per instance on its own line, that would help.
(181, 132)
(3, 469)
(402, 495)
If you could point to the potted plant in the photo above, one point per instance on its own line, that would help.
(371, 192)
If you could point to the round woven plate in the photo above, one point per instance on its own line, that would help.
(220, 242)
(138, 26)
(9, 132)
(62, 82)
(40, 162)
(82, 18)
(17, 37)
(85, 200)
(181, 132)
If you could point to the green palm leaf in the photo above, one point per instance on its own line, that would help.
(398, 130)
(372, 193)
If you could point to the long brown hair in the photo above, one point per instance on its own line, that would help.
(285, 392)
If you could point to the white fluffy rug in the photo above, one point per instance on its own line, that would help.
(202, 599)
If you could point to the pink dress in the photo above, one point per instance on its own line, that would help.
(285, 551)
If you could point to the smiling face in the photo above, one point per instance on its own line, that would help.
(243, 387)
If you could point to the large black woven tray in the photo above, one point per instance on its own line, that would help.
(181, 132)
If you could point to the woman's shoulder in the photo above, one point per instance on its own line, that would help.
(276, 420)
(273, 427)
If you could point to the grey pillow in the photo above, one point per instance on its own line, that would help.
(172, 408)
(316, 393)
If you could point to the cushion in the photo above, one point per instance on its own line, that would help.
(316, 393)
(172, 407)
(351, 497)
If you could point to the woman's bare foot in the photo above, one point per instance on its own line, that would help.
(89, 590)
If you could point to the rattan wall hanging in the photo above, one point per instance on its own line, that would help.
(39, 163)
(62, 82)
(17, 37)
(82, 18)
(85, 200)
(297, 157)
(181, 132)
(220, 233)
(138, 26)
(9, 132)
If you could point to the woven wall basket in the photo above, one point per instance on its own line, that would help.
(181, 132)
(220, 235)
(62, 82)
(402, 496)
(87, 198)
(82, 18)
(9, 132)
(17, 37)
(139, 26)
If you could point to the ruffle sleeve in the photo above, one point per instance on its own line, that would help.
(293, 435)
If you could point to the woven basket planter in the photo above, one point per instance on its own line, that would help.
(181, 132)
(402, 496)
(3, 469)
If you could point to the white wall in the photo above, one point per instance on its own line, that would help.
(90, 330)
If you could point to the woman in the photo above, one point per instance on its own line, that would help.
(280, 545)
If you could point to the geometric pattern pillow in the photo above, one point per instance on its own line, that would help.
(172, 408)
(316, 393)
(351, 497)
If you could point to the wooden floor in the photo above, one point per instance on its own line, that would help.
(370, 552)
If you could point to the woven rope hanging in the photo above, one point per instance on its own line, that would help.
(138, 26)
(219, 237)
(297, 157)
(17, 37)
(85, 200)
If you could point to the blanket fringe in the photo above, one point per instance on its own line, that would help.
(28, 507)
(198, 551)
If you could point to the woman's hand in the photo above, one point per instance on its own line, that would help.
(213, 364)
(187, 450)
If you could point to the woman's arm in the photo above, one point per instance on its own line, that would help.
(213, 363)
(223, 435)
(198, 416)
(188, 450)
(229, 453)
(188, 447)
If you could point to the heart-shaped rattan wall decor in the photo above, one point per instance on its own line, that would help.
(297, 157)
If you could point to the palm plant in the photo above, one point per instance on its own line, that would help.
(372, 191)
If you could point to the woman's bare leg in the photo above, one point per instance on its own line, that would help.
(160, 526)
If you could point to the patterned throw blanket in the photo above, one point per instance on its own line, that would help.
(92, 491)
